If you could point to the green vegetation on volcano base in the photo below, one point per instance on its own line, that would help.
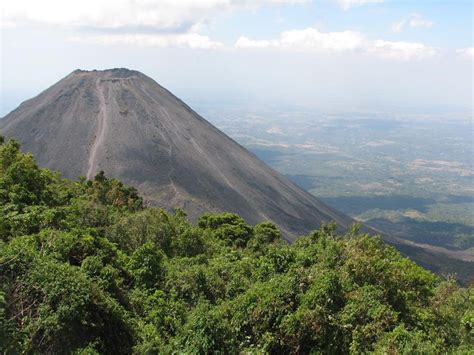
(86, 268)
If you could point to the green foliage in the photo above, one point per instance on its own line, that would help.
(146, 266)
(264, 234)
(205, 332)
(227, 227)
(86, 269)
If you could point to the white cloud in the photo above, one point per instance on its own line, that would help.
(138, 15)
(401, 50)
(142, 22)
(347, 4)
(418, 21)
(466, 52)
(179, 40)
(398, 26)
(244, 42)
(311, 39)
(308, 39)
(413, 20)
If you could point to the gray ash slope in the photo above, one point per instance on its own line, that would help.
(124, 123)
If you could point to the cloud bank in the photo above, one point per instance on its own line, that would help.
(124, 15)
(311, 39)
(179, 23)
(161, 23)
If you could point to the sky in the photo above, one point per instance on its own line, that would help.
(322, 53)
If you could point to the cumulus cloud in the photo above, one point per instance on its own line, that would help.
(244, 42)
(308, 39)
(311, 39)
(401, 50)
(141, 15)
(412, 20)
(347, 4)
(143, 22)
(466, 52)
(179, 40)
(138, 15)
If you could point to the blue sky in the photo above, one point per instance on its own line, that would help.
(328, 53)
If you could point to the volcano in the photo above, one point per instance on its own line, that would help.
(124, 123)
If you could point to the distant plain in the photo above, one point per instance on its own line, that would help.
(407, 174)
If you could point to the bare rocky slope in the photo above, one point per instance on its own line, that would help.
(124, 123)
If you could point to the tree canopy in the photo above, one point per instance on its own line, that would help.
(85, 268)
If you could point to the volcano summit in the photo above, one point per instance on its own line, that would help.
(124, 123)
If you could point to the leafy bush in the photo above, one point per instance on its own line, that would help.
(86, 269)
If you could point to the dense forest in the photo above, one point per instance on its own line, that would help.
(86, 268)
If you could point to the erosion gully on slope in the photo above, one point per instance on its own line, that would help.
(101, 128)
